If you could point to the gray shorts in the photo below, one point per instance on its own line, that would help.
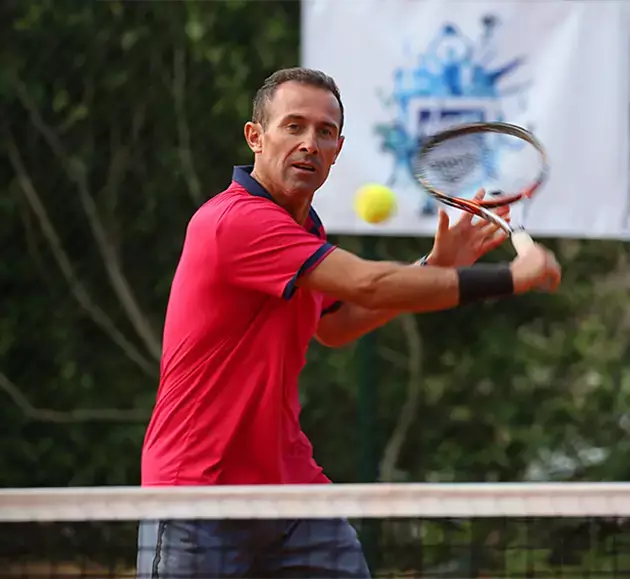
(314, 548)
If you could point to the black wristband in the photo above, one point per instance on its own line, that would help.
(484, 281)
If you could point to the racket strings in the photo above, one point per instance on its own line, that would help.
(461, 165)
(454, 169)
(455, 163)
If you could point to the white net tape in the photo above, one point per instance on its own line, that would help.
(317, 501)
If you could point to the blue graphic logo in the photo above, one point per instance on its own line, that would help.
(457, 80)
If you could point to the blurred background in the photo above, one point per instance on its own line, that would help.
(118, 120)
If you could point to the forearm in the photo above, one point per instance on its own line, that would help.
(391, 286)
(427, 289)
(412, 289)
(351, 322)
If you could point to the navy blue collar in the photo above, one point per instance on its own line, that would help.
(242, 175)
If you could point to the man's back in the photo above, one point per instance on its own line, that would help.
(235, 340)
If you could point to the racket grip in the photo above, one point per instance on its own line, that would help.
(522, 241)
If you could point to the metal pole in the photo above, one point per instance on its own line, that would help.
(369, 444)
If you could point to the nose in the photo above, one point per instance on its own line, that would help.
(309, 144)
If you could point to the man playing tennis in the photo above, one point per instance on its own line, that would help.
(256, 281)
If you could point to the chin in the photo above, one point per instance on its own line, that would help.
(303, 188)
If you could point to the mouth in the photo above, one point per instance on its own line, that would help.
(304, 167)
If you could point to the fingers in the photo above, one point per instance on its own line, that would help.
(488, 229)
(443, 222)
(494, 240)
(553, 274)
(467, 218)
(536, 268)
(546, 271)
(503, 211)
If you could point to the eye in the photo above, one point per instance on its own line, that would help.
(293, 127)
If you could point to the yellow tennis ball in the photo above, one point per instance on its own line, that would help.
(375, 203)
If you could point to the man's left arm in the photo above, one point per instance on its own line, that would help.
(350, 322)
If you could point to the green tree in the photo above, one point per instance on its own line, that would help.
(122, 118)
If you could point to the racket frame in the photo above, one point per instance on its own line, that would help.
(521, 240)
(486, 127)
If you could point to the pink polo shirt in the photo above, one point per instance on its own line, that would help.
(235, 340)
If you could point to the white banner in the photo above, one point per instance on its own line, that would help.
(559, 67)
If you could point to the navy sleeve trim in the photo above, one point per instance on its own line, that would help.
(290, 288)
(332, 308)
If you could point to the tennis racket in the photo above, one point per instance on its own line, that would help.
(504, 159)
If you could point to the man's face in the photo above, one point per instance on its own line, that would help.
(301, 139)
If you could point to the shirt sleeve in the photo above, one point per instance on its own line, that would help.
(262, 248)
(330, 305)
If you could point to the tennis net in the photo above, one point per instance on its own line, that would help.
(407, 530)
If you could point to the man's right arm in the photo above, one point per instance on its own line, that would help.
(258, 245)
(386, 285)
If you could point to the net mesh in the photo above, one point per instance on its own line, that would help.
(461, 165)
(455, 531)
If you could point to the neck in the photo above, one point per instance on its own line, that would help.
(298, 208)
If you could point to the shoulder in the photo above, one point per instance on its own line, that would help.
(236, 206)
(241, 222)
(231, 209)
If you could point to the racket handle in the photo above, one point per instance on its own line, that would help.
(522, 241)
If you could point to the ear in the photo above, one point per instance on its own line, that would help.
(340, 143)
(253, 136)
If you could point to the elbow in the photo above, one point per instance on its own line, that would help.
(366, 291)
(334, 337)
(334, 342)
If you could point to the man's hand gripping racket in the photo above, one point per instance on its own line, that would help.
(511, 164)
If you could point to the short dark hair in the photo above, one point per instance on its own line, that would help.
(307, 76)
